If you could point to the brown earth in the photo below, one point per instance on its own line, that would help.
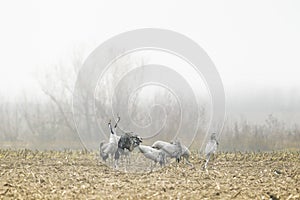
(28, 174)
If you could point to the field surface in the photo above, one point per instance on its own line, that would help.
(28, 174)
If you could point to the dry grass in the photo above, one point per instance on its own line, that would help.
(77, 175)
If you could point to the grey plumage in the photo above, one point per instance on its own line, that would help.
(106, 150)
(185, 152)
(158, 156)
(173, 150)
(127, 142)
(159, 144)
(211, 148)
(110, 148)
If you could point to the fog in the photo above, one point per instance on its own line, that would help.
(254, 45)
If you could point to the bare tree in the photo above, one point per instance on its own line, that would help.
(10, 118)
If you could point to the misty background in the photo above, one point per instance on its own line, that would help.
(254, 45)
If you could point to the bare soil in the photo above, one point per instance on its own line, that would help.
(28, 174)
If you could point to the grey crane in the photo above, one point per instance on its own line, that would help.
(211, 148)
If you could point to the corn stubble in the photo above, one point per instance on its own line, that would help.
(26, 174)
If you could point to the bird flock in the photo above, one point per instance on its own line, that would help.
(121, 146)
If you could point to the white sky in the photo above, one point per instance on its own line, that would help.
(254, 44)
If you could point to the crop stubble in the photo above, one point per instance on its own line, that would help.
(26, 174)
